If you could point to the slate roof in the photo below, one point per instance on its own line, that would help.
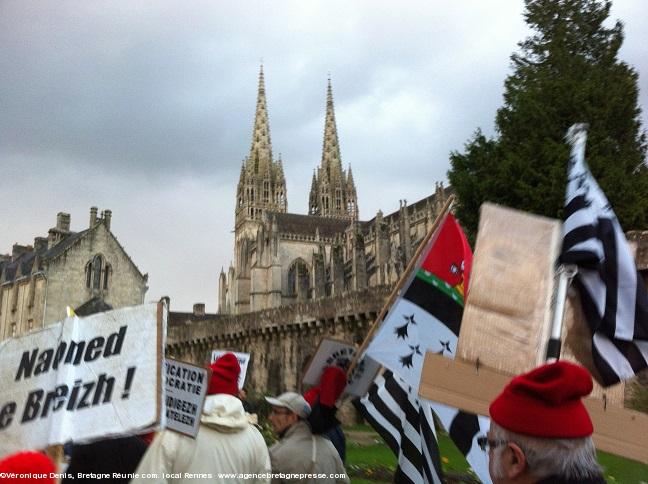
(293, 223)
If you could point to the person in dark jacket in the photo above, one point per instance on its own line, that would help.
(322, 398)
(120, 455)
(540, 430)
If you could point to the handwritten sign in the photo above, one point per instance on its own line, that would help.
(82, 378)
(186, 388)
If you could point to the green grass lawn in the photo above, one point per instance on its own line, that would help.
(375, 463)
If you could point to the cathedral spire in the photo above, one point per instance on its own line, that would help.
(260, 157)
(332, 190)
(262, 185)
(331, 159)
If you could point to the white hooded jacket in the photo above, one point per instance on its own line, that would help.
(227, 449)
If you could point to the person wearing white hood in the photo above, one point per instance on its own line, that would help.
(227, 446)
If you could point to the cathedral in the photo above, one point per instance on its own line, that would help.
(281, 258)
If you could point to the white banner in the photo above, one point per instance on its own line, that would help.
(82, 378)
(186, 388)
(243, 359)
(334, 352)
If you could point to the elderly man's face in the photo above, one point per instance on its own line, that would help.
(506, 462)
(281, 418)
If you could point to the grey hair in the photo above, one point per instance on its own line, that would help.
(565, 458)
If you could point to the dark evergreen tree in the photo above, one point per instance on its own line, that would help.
(566, 72)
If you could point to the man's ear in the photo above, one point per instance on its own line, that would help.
(515, 460)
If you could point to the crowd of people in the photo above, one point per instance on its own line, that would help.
(540, 434)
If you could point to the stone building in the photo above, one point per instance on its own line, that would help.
(282, 258)
(66, 268)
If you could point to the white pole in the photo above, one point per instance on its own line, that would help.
(566, 273)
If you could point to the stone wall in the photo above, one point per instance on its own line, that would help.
(280, 340)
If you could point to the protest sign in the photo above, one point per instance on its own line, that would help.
(334, 352)
(507, 318)
(243, 359)
(186, 388)
(82, 378)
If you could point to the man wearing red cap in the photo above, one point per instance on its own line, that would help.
(540, 430)
(227, 446)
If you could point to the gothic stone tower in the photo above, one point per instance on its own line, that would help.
(261, 187)
(333, 192)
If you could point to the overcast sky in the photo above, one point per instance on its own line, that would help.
(146, 108)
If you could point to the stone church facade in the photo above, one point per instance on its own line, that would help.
(66, 268)
(283, 258)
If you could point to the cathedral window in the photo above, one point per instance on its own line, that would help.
(299, 280)
(266, 191)
(338, 199)
(351, 207)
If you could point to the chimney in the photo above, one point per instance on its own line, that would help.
(40, 244)
(199, 309)
(107, 215)
(63, 221)
(93, 216)
(17, 250)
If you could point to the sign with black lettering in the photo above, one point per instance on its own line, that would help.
(82, 378)
(186, 388)
(333, 352)
(243, 359)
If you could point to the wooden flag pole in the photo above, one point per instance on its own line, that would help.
(399, 285)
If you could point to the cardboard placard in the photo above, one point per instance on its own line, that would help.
(507, 318)
(470, 388)
(243, 359)
(335, 352)
(82, 379)
(186, 388)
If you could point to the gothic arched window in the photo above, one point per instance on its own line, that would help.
(107, 275)
(299, 279)
(96, 272)
(89, 274)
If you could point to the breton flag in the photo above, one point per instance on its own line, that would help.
(464, 429)
(614, 298)
(407, 427)
(427, 315)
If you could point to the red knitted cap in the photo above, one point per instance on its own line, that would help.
(27, 463)
(546, 402)
(225, 373)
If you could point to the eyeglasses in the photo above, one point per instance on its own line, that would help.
(280, 411)
(487, 444)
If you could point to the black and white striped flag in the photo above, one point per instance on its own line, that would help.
(614, 298)
(464, 429)
(406, 425)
